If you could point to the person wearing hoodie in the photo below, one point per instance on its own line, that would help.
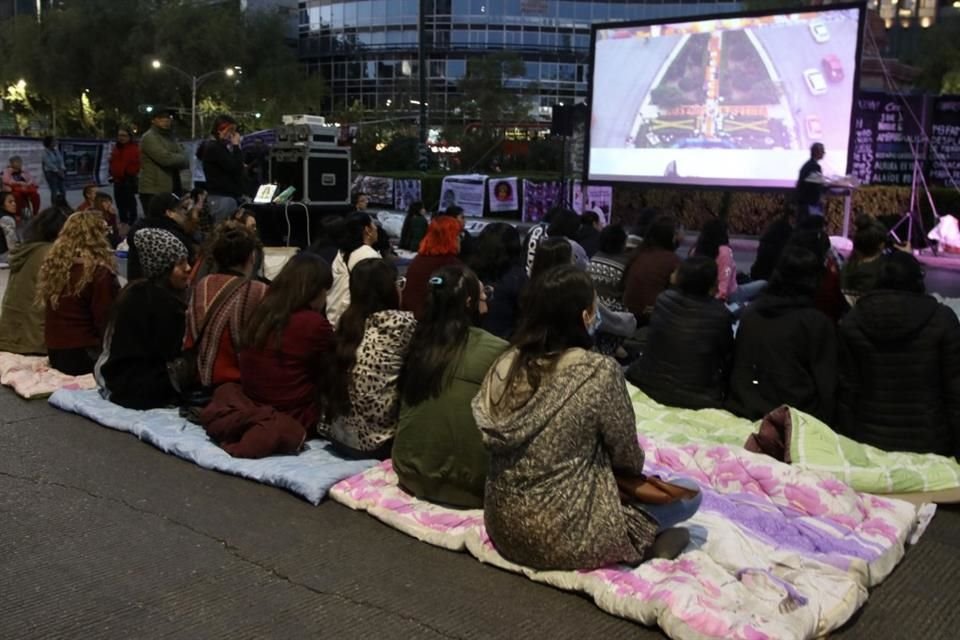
(690, 344)
(900, 365)
(21, 321)
(786, 350)
(557, 421)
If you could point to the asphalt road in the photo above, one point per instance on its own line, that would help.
(103, 536)
(623, 74)
(793, 50)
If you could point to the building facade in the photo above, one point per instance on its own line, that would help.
(367, 50)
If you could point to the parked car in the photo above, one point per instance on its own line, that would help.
(815, 82)
(819, 31)
(814, 127)
(832, 68)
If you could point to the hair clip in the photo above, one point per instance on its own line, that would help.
(436, 281)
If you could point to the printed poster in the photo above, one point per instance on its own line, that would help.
(503, 195)
(538, 198)
(405, 193)
(594, 198)
(465, 191)
(379, 191)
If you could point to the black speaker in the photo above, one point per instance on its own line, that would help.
(320, 175)
(562, 122)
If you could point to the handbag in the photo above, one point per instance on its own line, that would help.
(652, 490)
(183, 370)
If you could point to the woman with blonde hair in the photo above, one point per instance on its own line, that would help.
(77, 287)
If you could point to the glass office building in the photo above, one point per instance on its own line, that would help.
(367, 49)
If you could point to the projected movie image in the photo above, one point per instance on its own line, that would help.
(733, 101)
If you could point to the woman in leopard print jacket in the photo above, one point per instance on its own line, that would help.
(372, 341)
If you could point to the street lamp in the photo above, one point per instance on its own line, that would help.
(195, 82)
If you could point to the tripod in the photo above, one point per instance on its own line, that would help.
(913, 216)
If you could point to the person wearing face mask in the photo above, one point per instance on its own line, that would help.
(169, 213)
(437, 452)
(223, 168)
(558, 424)
(146, 331)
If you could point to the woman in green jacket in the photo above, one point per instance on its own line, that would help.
(21, 321)
(437, 451)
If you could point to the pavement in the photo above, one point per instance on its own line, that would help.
(103, 536)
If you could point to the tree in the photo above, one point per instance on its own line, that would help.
(105, 47)
(492, 91)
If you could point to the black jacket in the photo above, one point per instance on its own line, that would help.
(900, 374)
(502, 310)
(786, 353)
(688, 352)
(145, 333)
(134, 270)
(223, 168)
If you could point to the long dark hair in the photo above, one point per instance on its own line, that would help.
(797, 273)
(552, 252)
(413, 211)
(351, 235)
(551, 322)
(452, 307)
(45, 226)
(498, 249)
(298, 284)
(712, 237)
(373, 288)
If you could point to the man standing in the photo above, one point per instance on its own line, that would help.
(161, 158)
(54, 170)
(811, 185)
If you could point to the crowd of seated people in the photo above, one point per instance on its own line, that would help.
(488, 386)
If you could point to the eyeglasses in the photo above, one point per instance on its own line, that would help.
(401, 283)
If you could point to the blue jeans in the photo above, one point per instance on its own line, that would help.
(670, 515)
(55, 182)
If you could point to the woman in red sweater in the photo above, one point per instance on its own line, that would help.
(124, 169)
(287, 340)
(439, 248)
(77, 286)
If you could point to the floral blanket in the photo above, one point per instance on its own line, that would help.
(776, 552)
(813, 446)
(32, 376)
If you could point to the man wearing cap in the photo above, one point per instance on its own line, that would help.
(161, 159)
(168, 213)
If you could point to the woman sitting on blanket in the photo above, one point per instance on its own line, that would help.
(77, 287)
(146, 331)
(437, 452)
(21, 321)
(287, 341)
(221, 305)
(372, 343)
(559, 426)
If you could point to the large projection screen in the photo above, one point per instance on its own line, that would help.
(732, 101)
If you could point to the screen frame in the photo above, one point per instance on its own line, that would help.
(860, 5)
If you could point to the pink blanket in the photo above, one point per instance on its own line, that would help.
(32, 376)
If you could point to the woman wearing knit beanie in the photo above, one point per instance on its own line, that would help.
(146, 330)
